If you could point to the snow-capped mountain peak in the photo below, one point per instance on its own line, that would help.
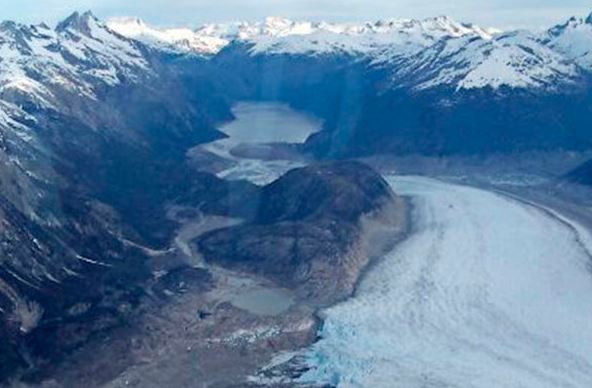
(420, 53)
(16, 35)
(280, 34)
(515, 60)
(129, 26)
(79, 56)
(452, 28)
(183, 40)
(573, 40)
(82, 23)
(277, 23)
(369, 39)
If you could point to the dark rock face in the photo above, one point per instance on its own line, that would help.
(307, 231)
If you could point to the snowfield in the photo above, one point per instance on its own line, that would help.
(487, 292)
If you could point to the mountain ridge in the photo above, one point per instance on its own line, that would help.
(516, 59)
(278, 27)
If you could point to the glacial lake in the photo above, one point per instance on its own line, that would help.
(269, 122)
(261, 126)
(264, 301)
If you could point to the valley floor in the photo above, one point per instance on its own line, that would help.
(202, 325)
(488, 289)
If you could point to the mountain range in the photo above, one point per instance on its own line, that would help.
(96, 119)
(432, 86)
(419, 53)
(445, 69)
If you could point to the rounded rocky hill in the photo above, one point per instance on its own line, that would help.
(311, 229)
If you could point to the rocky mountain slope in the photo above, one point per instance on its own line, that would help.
(94, 131)
(93, 134)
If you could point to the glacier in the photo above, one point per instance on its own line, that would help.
(488, 291)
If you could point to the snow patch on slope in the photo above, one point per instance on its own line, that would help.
(515, 60)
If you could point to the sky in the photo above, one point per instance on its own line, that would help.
(505, 14)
